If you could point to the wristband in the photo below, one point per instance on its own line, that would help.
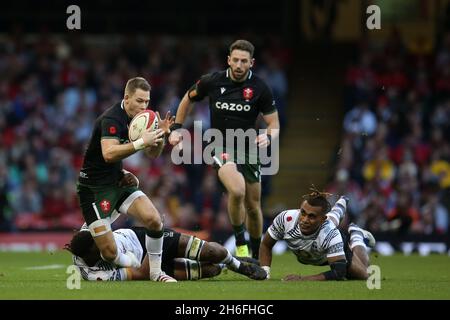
(175, 126)
(139, 144)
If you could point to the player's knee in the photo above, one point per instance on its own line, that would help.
(237, 193)
(214, 252)
(152, 222)
(363, 275)
(253, 210)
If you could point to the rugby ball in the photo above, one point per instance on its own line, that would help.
(141, 122)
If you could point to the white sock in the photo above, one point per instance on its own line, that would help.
(231, 261)
(357, 239)
(154, 248)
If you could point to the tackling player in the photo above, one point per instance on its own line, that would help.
(236, 97)
(312, 235)
(102, 196)
(184, 257)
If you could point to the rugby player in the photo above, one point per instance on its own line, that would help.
(236, 98)
(184, 257)
(312, 235)
(102, 196)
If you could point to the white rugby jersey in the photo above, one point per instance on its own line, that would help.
(126, 240)
(315, 248)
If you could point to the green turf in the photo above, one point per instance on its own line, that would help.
(403, 277)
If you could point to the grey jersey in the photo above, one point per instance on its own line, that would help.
(126, 240)
(315, 248)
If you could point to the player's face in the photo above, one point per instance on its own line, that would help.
(310, 218)
(136, 102)
(240, 63)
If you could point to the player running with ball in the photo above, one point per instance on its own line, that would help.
(101, 189)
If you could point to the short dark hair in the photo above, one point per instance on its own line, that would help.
(136, 83)
(243, 45)
(81, 243)
(318, 199)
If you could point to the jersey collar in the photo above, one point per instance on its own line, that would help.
(249, 76)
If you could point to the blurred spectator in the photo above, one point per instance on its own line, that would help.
(396, 138)
(342, 185)
(404, 218)
(360, 120)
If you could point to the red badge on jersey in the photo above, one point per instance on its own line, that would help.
(105, 205)
(247, 93)
(112, 130)
(289, 218)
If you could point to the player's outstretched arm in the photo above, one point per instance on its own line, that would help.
(183, 109)
(338, 271)
(265, 253)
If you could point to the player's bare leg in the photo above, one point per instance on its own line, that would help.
(144, 210)
(254, 215)
(199, 250)
(104, 240)
(234, 182)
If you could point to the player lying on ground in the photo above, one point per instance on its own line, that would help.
(311, 233)
(184, 257)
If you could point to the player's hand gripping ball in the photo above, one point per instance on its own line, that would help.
(141, 122)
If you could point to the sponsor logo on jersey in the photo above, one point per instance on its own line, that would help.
(232, 106)
(222, 90)
(247, 93)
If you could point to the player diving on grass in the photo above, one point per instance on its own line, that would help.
(184, 257)
(312, 234)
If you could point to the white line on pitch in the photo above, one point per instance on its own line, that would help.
(51, 266)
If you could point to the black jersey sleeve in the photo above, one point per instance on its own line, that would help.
(110, 128)
(266, 101)
(202, 87)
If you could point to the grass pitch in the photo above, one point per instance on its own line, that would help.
(43, 276)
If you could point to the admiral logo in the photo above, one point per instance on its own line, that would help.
(222, 90)
(232, 106)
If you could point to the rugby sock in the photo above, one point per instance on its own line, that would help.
(338, 211)
(239, 234)
(255, 243)
(154, 245)
(231, 261)
(356, 239)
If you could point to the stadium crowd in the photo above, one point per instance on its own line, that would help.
(394, 157)
(51, 91)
